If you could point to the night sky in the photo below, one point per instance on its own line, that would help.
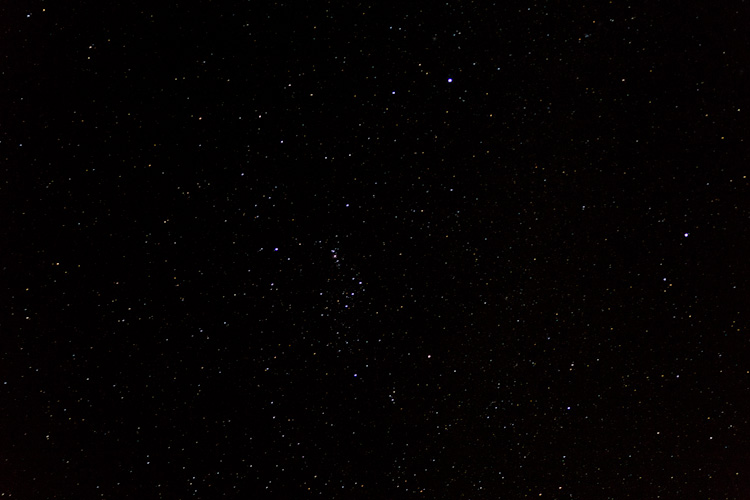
(385, 250)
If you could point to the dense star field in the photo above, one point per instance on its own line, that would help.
(374, 250)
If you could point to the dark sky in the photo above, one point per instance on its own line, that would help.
(323, 249)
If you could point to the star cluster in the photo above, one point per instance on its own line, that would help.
(374, 251)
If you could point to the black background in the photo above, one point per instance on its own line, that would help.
(374, 250)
